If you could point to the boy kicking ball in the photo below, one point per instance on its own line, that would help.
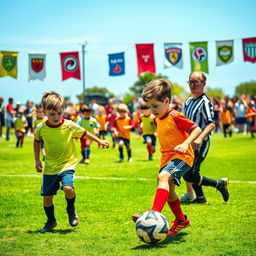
(175, 134)
(60, 162)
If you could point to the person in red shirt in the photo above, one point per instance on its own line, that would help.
(175, 134)
(10, 114)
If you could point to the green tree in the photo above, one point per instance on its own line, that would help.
(96, 90)
(247, 88)
(214, 92)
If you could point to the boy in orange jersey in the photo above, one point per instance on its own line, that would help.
(251, 118)
(148, 128)
(226, 119)
(123, 124)
(175, 135)
(101, 117)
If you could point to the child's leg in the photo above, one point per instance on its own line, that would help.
(174, 203)
(121, 149)
(88, 149)
(149, 146)
(49, 208)
(22, 139)
(162, 191)
(129, 152)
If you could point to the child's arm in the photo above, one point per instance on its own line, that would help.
(182, 148)
(104, 143)
(38, 165)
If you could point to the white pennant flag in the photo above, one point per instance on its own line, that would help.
(36, 66)
(224, 52)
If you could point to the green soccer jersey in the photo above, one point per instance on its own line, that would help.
(59, 145)
(89, 124)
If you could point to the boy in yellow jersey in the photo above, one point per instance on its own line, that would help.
(20, 124)
(91, 125)
(57, 134)
(148, 127)
(122, 125)
(175, 135)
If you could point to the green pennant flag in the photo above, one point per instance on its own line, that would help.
(199, 56)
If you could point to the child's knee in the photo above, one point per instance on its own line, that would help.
(121, 143)
(68, 189)
(163, 177)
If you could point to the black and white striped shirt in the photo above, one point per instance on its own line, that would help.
(200, 111)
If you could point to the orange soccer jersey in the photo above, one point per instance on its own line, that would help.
(102, 119)
(173, 129)
(226, 117)
(120, 124)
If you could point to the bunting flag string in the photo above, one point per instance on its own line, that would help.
(173, 57)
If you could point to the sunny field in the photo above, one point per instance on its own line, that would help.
(105, 204)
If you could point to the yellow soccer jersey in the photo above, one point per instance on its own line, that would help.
(20, 124)
(148, 124)
(59, 145)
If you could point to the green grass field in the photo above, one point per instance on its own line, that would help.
(105, 205)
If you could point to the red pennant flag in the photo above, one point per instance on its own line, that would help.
(70, 65)
(145, 58)
(249, 49)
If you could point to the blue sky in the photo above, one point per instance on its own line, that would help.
(115, 26)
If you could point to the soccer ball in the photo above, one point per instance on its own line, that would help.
(152, 227)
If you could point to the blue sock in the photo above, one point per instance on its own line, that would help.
(87, 152)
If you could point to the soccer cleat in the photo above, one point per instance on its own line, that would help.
(222, 186)
(87, 161)
(177, 226)
(72, 217)
(120, 160)
(82, 161)
(187, 198)
(150, 158)
(130, 160)
(49, 225)
(200, 200)
(135, 217)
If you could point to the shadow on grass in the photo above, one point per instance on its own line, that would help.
(169, 240)
(59, 231)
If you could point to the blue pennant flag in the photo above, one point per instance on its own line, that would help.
(116, 64)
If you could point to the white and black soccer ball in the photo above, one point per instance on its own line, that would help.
(152, 227)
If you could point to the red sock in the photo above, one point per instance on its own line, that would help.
(176, 209)
(161, 197)
(149, 147)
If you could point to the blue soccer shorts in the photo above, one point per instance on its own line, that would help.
(151, 137)
(51, 183)
(177, 168)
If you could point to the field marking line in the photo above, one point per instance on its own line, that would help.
(110, 178)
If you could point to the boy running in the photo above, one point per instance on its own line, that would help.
(175, 134)
(57, 134)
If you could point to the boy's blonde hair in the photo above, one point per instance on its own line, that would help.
(122, 107)
(53, 101)
(158, 89)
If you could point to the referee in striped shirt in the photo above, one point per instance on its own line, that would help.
(199, 109)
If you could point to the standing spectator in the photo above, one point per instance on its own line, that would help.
(2, 114)
(226, 119)
(216, 113)
(29, 114)
(240, 111)
(199, 109)
(10, 114)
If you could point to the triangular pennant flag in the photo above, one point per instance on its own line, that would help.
(8, 64)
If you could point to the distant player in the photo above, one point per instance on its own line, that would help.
(57, 134)
(91, 125)
(175, 134)
(20, 124)
(123, 124)
(148, 128)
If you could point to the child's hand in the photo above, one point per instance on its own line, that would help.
(39, 166)
(182, 148)
(196, 144)
(104, 143)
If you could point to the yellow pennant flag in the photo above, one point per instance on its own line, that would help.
(8, 64)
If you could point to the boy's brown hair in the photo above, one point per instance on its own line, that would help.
(53, 101)
(158, 89)
(122, 108)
